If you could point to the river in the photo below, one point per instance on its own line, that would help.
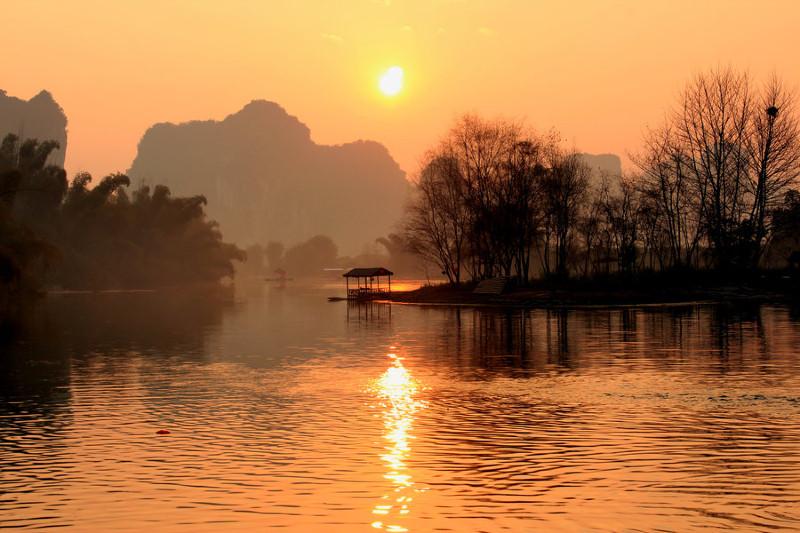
(284, 410)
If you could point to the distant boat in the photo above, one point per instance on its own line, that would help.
(282, 279)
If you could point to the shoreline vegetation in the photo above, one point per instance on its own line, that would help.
(62, 234)
(709, 211)
(655, 289)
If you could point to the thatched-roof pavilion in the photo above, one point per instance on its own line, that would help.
(368, 282)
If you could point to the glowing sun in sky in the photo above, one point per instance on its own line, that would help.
(391, 81)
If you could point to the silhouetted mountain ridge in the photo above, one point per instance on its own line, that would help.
(38, 118)
(266, 179)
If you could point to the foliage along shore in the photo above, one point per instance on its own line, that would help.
(655, 288)
(715, 189)
(56, 233)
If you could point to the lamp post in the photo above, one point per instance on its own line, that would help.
(772, 113)
(761, 191)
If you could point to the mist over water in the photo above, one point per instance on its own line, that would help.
(287, 410)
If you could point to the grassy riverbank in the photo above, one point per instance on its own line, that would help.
(657, 288)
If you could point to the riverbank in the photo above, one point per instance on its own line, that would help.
(651, 290)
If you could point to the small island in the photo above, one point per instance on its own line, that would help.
(710, 210)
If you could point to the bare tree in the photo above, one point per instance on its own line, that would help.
(475, 207)
(722, 161)
(589, 229)
(437, 221)
(621, 214)
(492, 194)
(668, 184)
(519, 202)
(712, 124)
(483, 151)
(564, 189)
(774, 154)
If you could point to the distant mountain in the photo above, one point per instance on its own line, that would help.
(265, 179)
(38, 118)
(603, 164)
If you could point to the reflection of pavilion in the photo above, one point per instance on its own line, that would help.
(369, 312)
(396, 389)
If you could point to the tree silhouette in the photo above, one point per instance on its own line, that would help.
(77, 236)
(492, 195)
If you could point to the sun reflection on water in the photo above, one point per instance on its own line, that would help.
(396, 389)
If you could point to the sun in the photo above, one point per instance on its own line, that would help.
(391, 81)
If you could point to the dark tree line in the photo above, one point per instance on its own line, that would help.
(492, 197)
(62, 233)
(718, 168)
(714, 190)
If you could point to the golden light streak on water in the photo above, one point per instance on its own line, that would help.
(397, 391)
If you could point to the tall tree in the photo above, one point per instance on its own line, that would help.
(564, 189)
(437, 221)
(774, 154)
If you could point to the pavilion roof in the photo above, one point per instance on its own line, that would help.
(367, 272)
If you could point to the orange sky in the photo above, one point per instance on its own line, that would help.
(599, 71)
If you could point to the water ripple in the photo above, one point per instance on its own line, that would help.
(478, 421)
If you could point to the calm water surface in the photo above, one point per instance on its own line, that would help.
(287, 411)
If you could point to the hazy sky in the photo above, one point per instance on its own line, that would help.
(599, 71)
